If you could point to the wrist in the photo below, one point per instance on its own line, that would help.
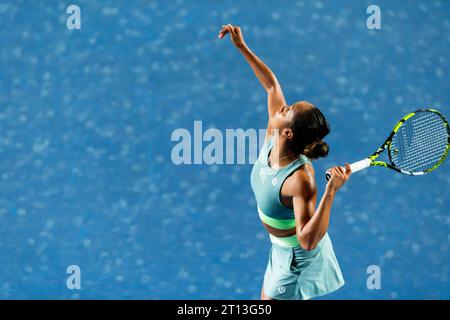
(330, 190)
(242, 46)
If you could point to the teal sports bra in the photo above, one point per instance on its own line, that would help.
(266, 185)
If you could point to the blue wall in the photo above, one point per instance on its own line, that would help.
(86, 117)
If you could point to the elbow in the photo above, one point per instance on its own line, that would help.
(308, 247)
(306, 244)
(272, 86)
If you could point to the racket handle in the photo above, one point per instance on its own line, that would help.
(355, 167)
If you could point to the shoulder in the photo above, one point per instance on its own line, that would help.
(304, 181)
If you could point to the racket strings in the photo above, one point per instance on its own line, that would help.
(420, 142)
(417, 143)
(427, 141)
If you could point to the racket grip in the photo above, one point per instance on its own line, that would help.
(355, 167)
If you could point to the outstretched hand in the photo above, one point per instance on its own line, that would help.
(235, 34)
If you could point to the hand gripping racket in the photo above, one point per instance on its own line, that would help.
(418, 144)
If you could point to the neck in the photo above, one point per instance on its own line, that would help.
(281, 155)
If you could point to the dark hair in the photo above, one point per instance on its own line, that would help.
(309, 128)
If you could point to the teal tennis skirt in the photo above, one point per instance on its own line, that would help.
(297, 274)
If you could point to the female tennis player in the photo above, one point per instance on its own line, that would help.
(302, 264)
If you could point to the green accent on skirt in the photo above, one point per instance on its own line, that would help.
(289, 242)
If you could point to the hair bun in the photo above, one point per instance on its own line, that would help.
(317, 149)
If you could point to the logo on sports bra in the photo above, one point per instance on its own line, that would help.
(262, 175)
(274, 181)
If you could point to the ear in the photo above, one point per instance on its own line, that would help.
(288, 133)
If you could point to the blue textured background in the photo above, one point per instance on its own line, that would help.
(86, 118)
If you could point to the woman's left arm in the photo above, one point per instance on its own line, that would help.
(275, 96)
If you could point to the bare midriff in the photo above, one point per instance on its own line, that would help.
(279, 232)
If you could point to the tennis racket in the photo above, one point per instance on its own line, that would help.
(418, 144)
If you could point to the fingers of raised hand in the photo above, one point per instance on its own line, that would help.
(223, 32)
(235, 31)
(230, 29)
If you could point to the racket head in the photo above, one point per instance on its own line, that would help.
(419, 143)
